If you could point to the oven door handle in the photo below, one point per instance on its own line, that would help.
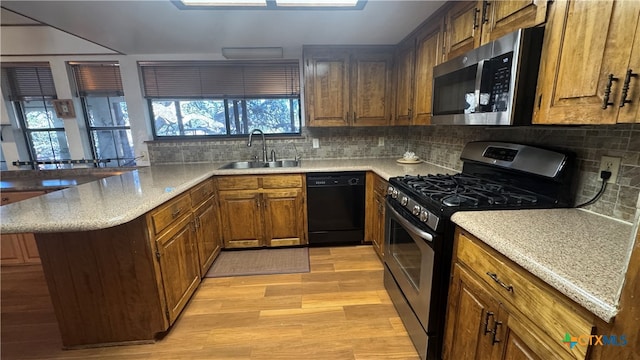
(409, 226)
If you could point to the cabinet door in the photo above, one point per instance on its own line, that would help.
(630, 112)
(504, 16)
(371, 74)
(428, 54)
(378, 237)
(519, 339)
(327, 87)
(241, 219)
(10, 249)
(587, 47)
(285, 216)
(29, 248)
(471, 314)
(463, 28)
(207, 234)
(404, 82)
(179, 265)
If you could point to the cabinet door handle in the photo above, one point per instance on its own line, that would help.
(485, 12)
(5, 199)
(486, 322)
(495, 339)
(494, 276)
(607, 92)
(475, 18)
(176, 212)
(625, 87)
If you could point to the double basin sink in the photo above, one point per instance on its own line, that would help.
(261, 164)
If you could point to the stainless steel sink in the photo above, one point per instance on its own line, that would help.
(283, 163)
(260, 164)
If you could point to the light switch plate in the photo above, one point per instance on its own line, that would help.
(316, 143)
(381, 141)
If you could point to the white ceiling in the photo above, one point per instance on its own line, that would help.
(159, 27)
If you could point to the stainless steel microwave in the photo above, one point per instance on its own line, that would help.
(494, 84)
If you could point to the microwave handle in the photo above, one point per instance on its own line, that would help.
(478, 84)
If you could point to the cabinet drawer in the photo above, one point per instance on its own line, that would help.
(260, 182)
(380, 186)
(238, 182)
(167, 213)
(554, 313)
(282, 181)
(201, 192)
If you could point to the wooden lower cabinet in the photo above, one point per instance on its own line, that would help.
(497, 310)
(375, 211)
(257, 212)
(18, 249)
(208, 237)
(178, 257)
(129, 282)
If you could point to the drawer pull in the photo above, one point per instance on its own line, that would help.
(486, 322)
(176, 212)
(495, 278)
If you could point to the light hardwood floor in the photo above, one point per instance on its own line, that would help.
(337, 311)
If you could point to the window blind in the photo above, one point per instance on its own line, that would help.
(220, 79)
(26, 81)
(97, 78)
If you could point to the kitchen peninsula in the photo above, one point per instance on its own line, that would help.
(99, 247)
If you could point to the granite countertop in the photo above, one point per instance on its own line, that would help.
(581, 254)
(121, 198)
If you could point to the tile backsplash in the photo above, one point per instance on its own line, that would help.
(442, 145)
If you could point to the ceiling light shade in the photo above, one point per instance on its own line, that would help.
(225, 3)
(317, 2)
(246, 53)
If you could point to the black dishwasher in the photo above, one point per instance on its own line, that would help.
(335, 208)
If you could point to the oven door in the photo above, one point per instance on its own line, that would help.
(409, 255)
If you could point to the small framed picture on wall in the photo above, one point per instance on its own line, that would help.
(64, 108)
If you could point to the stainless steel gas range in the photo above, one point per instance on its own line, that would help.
(419, 232)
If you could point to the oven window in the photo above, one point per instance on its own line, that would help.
(406, 253)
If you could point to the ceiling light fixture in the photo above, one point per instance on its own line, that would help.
(270, 4)
(316, 3)
(234, 3)
(247, 53)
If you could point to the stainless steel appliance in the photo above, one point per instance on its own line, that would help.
(335, 208)
(494, 84)
(419, 232)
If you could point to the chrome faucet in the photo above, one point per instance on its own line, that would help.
(264, 144)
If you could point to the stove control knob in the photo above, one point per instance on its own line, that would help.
(404, 201)
(416, 210)
(424, 216)
(390, 190)
(394, 193)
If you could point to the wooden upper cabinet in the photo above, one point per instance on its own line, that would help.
(429, 47)
(588, 50)
(371, 85)
(327, 87)
(504, 16)
(405, 61)
(470, 24)
(463, 27)
(348, 86)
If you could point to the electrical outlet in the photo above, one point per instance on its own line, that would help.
(610, 163)
(316, 143)
(144, 156)
(381, 141)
